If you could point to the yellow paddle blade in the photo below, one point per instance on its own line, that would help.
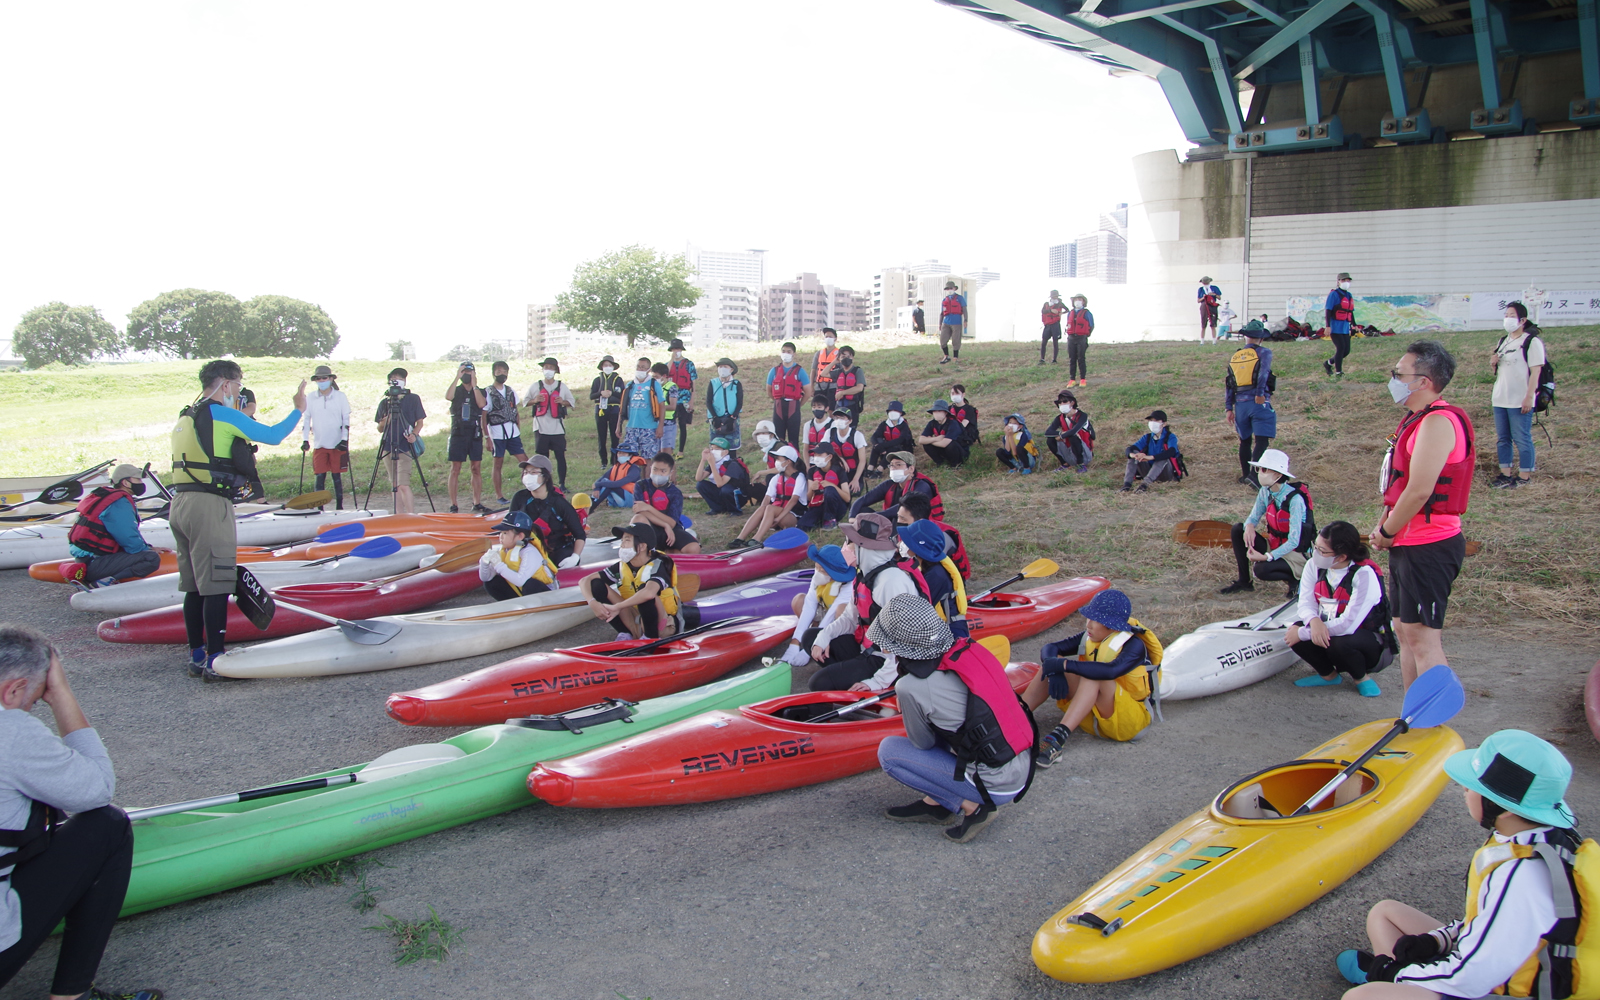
(581, 501)
(306, 501)
(1040, 568)
(999, 645)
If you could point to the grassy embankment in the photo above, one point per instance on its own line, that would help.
(1540, 561)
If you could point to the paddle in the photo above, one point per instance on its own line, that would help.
(1432, 700)
(372, 548)
(657, 643)
(70, 488)
(788, 538)
(453, 559)
(999, 645)
(1263, 623)
(1033, 571)
(688, 588)
(343, 533)
(259, 606)
(304, 501)
(1203, 534)
(390, 765)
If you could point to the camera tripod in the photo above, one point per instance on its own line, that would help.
(393, 442)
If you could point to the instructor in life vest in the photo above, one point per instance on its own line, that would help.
(952, 319)
(1427, 481)
(105, 543)
(1338, 311)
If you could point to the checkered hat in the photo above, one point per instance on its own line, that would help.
(910, 628)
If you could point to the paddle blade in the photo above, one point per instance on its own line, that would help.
(1039, 569)
(408, 759)
(62, 492)
(253, 599)
(461, 556)
(344, 532)
(369, 632)
(376, 548)
(1433, 699)
(688, 587)
(999, 645)
(788, 538)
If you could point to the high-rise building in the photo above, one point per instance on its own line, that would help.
(727, 310)
(1064, 260)
(743, 267)
(1103, 254)
(982, 276)
(547, 338)
(929, 266)
(802, 307)
(893, 289)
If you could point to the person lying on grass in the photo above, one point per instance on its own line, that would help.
(639, 593)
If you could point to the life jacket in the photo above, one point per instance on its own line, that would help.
(650, 493)
(502, 407)
(1078, 323)
(997, 726)
(620, 470)
(551, 531)
(195, 464)
(819, 478)
(548, 402)
(849, 380)
(952, 306)
(845, 450)
(630, 580)
(897, 491)
(1051, 312)
(1243, 368)
(657, 407)
(1278, 519)
(89, 532)
(725, 397)
(614, 382)
(738, 463)
(917, 579)
(682, 373)
(816, 435)
(958, 554)
(1378, 618)
(825, 359)
(514, 561)
(892, 436)
(954, 604)
(1078, 424)
(866, 608)
(1346, 309)
(31, 840)
(783, 488)
(786, 384)
(1567, 958)
(1453, 488)
(828, 591)
(1136, 682)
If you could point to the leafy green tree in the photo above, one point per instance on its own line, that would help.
(633, 292)
(398, 348)
(187, 322)
(276, 326)
(461, 352)
(68, 334)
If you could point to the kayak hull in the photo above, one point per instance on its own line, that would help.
(187, 855)
(1591, 701)
(544, 683)
(715, 569)
(1227, 655)
(728, 754)
(1214, 878)
(1026, 613)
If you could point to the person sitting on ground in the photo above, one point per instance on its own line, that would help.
(638, 594)
(916, 507)
(827, 497)
(943, 439)
(767, 443)
(904, 479)
(1099, 677)
(1284, 505)
(658, 501)
(786, 493)
(615, 486)
(849, 385)
(1071, 434)
(52, 871)
(849, 447)
(816, 429)
(964, 413)
(722, 478)
(516, 565)
(1515, 787)
(891, 436)
(1154, 458)
(559, 528)
(829, 581)
(953, 695)
(924, 543)
(104, 542)
(1343, 626)
(1017, 452)
(841, 645)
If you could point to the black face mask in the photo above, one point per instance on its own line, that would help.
(819, 414)
(137, 489)
(500, 380)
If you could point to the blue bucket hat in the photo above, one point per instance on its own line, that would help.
(831, 559)
(894, 404)
(1110, 608)
(1520, 772)
(924, 539)
(940, 404)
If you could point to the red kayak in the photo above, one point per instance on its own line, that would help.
(1591, 701)
(1017, 616)
(342, 600)
(717, 569)
(765, 747)
(544, 683)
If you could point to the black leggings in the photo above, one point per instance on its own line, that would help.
(647, 611)
(544, 444)
(1277, 569)
(1052, 332)
(1077, 355)
(605, 429)
(1355, 654)
(338, 487)
(1249, 453)
(1341, 349)
(206, 621)
(499, 588)
(683, 417)
(846, 665)
(788, 426)
(81, 877)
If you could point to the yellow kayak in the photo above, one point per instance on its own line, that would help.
(1238, 866)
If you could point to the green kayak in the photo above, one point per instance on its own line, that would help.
(185, 855)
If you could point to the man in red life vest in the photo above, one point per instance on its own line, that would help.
(786, 382)
(952, 320)
(104, 542)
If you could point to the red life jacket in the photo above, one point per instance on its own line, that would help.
(652, 494)
(786, 383)
(825, 359)
(1078, 323)
(88, 532)
(1278, 519)
(921, 582)
(866, 608)
(898, 491)
(1377, 618)
(1346, 309)
(548, 402)
(997, 727)
(1078, 424)
(892, 435)
(784, 488)
(952, 307)
(1453, 488)
(1051, 313)
(816, 435)
(819, 479)
(678, 371)
(959, 554)
(845, 450)
(848, 380)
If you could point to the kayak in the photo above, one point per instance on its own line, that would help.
(1228, 654)
(1017, 616)
(191, 854)
(1236, 867)
(1591, 701)
(567, 678)
(389, 524)
(757, 599)
(161, 591)
(731, 753)
(715, 569)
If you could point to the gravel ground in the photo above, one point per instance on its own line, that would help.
(809, 892)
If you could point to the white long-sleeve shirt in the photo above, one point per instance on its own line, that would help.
(493, 563)
(841, 618)
(1364, 593)
(327, 419)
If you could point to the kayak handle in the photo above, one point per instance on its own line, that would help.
(1087, 919)
(573, 720)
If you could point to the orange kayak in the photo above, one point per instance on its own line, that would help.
(390, 524)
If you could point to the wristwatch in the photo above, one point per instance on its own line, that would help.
(1383, 532)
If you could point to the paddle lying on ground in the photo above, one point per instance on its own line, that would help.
(999, 645)
(304, 501)
(390, 765)
(658, 643)
(1033, 571)
(1263, 623)
(1203, 534)
(259, 606)
(1432, 700)
(372, 548)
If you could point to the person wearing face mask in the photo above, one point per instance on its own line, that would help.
(919, 321)
(816, 429)
(1208, 296)
(505, 429)
(1070, 436)
(1080, 324)
(658, 501)
(891, 435)
(1343, 624)
(1518, 361)
(606, 391)
(516, 565)
(1050, 316)
(722, 478)
(549, 400)
(830, 581)
(615, 485)
(1247, 400)
(1154, 457)
(468, 427)
(766, 437)
(1426, 480)
(904, 479)
(822, 364)
(952, 319)
(682, 373)
(244, 453)
(1283, 506)
(1338, 311)
(400, 418)
(326, 432)
(849, 448)
(645, 403)
(1017, 452)
(841, 645)
(557, 527)
(786, 493)
(638, 594)
(942, 438)
(964, 413)
(669, 427)
(787, 382)
(827, 495)
(917, 507)
(849, 384)
(104, 541)
(924, 545)
(725, 401)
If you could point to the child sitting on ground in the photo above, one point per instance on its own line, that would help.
(831, 579)
(615, 487)
(1018, 453)
(638, 594)
(517, 564)
(1154, 458)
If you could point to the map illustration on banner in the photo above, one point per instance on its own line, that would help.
(1400, 313)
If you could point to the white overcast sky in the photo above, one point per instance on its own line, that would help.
(426, 170)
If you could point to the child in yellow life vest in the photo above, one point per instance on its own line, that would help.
(517, 566)
(1528, 891)
(1100, 677)
(831, 579)
(638, 594)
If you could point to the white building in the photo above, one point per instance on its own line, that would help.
(546, 338)
(1064, 260)
(743, 267)
(982, 276)
(727, 310)
(893, 289)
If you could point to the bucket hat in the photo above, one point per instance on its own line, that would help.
(676, 345)
(516, 521)
(831, 559)
(924, 539)
(871, 531)
(894, 405)
(607, 360)
(1274, 460)
(551, 363)
(730, 363)
(910, 628)
(940, 404)
(1206, 280)
(1520, 772)
(323, 371)
(949, 284)
(1344, 276)
(1110, 608)
(766, 427)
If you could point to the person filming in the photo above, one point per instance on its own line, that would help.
(397, 437)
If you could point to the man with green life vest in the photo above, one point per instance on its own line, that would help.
(205, 480)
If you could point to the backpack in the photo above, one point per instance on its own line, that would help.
(1243, 368)
(1544, 395)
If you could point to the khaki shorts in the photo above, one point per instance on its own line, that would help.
(398, 468)
(208, 543)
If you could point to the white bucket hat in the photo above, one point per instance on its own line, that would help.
(1274, 460)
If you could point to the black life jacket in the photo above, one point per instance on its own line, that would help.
(547, 521)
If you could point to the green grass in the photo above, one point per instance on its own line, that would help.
(415, 940)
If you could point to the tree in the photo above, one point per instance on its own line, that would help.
(461, 352)
(633, 292)
(187, 322)
(68, 334)
(276, 326)
(398, 349)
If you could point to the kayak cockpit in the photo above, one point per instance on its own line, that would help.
(1274, 794)
(809, 709)
(1002, 602)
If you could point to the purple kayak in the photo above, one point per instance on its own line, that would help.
(763, 598)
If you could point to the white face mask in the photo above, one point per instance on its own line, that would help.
(1345, 285)
(532, 481)
(894, 419)
(841, 425)
(1155, 426)
(1013, 428)
(900, 547)
(820, 461)
(898, 475)
(660, 480)
(1065, 407)
(677, 355)
(957, 398)
(1511, 323)
(640, 376)
(765, 440)
(608, 369)
(718, 454)
(1320, 561)
(1269, 479)
(829, 341)
(725, 372)
(549, 374)
(627, 553)
(786, 358)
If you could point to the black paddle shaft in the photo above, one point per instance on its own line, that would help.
(1399, 727)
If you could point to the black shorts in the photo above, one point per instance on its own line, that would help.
(464, 449)
(1052, 331)
(1420, 578)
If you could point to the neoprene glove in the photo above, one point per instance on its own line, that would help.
(1382, 969)
(344, 445)
(305, 445)
(1055, 672)
(1416, 949)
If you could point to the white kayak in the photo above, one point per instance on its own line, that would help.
(424, 637)
(152, 592)
(1228, 654)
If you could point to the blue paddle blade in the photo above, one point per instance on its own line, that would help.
(1433, 698)
(788, 538)
(377, 548)
(344, 532)
(684, 520)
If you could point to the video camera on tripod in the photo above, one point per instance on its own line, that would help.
(394, 445)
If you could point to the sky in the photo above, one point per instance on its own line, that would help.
(425, 171)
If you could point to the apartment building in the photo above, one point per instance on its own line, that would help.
(802, 307)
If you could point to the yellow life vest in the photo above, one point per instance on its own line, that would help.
(1576, 964)
(513, 561)
(827, 592)
(1135, 682)
(960, 586)
(202, 452)
(630, 580)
